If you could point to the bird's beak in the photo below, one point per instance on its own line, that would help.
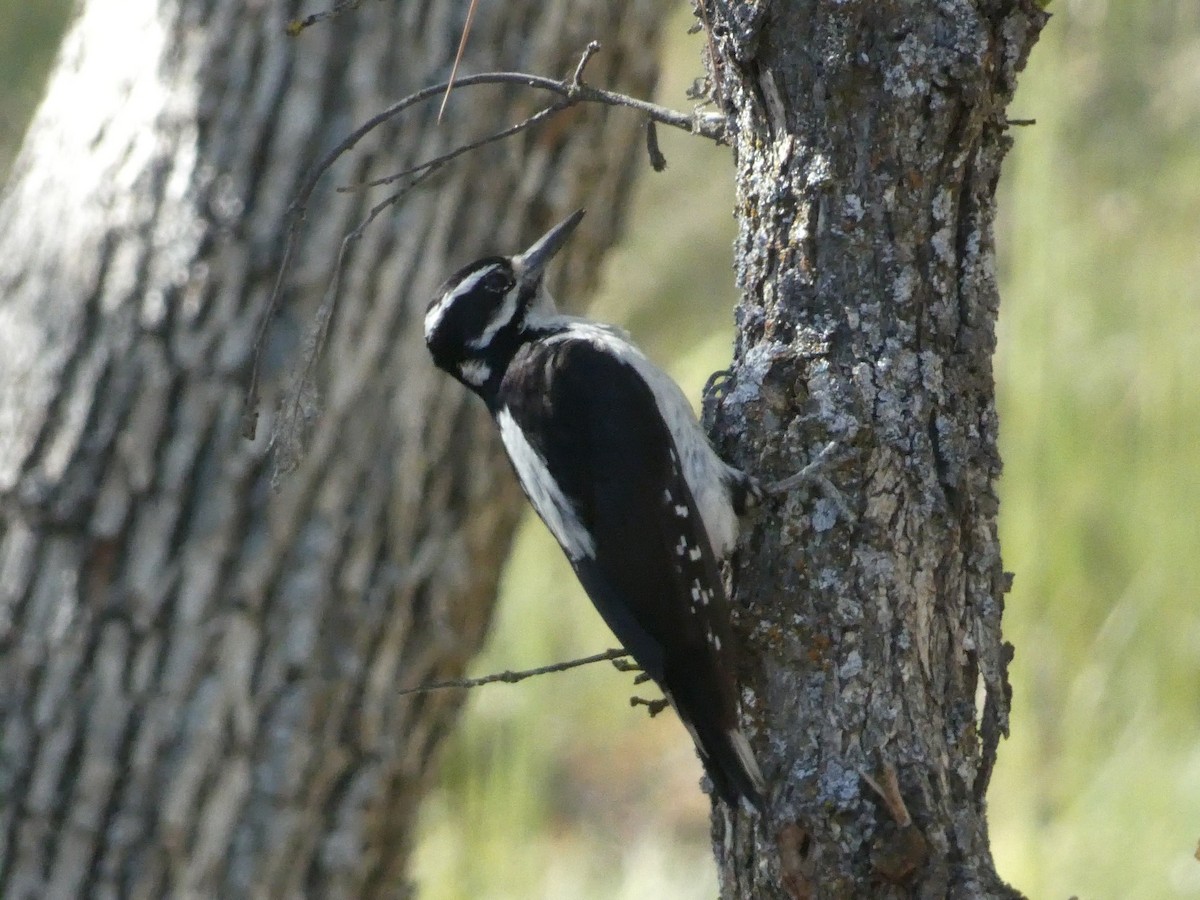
(531, 264)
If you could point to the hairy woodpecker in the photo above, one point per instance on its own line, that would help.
(609, 452)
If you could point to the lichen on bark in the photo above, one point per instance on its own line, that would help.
(868, 140)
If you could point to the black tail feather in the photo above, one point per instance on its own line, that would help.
(732, 769)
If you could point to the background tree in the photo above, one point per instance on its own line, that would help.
(200, 675)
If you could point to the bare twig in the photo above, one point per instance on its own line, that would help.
(589, 51)
(658, 162)
(654, 707)
(523, 125)
(296, 26)
(514, 677)
(889, 793)
(288, 435)
(572, 91)
(462, 46)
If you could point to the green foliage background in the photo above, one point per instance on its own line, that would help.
(29, 33)
(557, 789)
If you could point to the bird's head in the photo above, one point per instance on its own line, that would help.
(474, 324)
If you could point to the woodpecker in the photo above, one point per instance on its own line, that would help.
(608, 451)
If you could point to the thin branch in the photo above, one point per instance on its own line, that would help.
(523, 125)
(299, 400)
(571, 91)
(250, 408)
(711, 125)
(658, 162)
(296, 26)
(462, 46)
(514, 677)
(654, 707)
(589, 51)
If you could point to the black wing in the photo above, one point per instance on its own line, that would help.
(652, 576)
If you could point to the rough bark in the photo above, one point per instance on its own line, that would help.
(868, 144)
(199, 674)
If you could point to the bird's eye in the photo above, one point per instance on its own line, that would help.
(497, 281)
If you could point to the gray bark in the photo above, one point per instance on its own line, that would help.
(868, 144)
(199, 675)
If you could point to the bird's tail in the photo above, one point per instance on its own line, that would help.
(727, 759)
(731, 766)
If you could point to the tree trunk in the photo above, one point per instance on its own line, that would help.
(868, 145)
(199, 674)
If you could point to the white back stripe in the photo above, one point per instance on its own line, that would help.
(543, 491)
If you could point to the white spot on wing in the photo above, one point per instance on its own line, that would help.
(543, 492)
(694, 554)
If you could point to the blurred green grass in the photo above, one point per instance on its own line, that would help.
(29, 34)
(1098, 791)
(556, 788)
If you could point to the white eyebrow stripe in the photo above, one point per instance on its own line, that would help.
(434, 317)
(504, 315)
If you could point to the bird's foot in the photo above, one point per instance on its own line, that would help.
(714, 390)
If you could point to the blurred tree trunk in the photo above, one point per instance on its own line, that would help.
(868, 144)
(199, 675)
